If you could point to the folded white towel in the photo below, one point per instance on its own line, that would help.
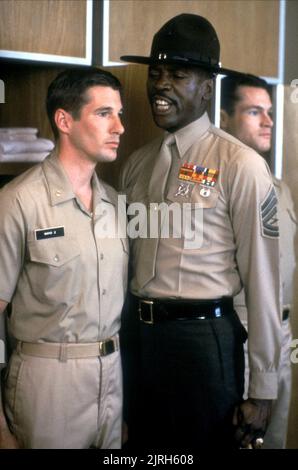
(20, 146)
(24, 137)
(18, 130)
(23, 157)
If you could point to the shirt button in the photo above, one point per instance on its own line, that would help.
(58, 192)
(56, 258)
(104, 291)
(101, 256)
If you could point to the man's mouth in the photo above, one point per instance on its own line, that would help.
(267, 136)
(161, 105)
(114, 144)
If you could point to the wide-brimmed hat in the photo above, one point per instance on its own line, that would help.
(186, 40)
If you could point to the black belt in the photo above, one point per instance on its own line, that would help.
(285, 314)
(155, 310)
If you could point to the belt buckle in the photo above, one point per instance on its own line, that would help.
(150, 304)
(106, 347)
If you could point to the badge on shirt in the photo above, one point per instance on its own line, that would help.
(269, 215)
(51, 232)
(184, 189)
(190, 173)
(198, 174)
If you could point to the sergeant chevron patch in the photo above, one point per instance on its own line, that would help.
(269, 215)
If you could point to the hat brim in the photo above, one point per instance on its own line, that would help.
(177, 61)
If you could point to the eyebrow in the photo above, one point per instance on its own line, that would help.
(106, 108)
(260, 108)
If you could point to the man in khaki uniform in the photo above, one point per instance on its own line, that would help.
(190, 381)
(247, 114)
(64, 279)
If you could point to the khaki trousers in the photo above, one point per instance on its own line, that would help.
(65, 405)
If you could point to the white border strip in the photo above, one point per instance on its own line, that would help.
(217, 100)
(106, 36)
(281, 40)
(279, 123)
(35, 56)
(280, 92)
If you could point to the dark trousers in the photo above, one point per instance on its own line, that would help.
(185, 378)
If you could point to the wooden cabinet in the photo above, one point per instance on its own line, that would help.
(47, 30)
(97, 31)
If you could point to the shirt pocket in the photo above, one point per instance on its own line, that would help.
(53, 251)
(197, 211)
(191, 194)
(54, 269)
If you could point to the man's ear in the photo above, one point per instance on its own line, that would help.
(63, 120)
(208, 89)
(224, 119)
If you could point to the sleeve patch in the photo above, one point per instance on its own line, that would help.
(269, 219)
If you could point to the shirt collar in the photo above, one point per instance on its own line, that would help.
(190, 134)
(60, 187)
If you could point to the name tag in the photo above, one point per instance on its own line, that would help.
(51, 232)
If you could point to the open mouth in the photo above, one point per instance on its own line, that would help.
(161, 105)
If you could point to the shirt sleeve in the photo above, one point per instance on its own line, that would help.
(12, 236)
(253, 211)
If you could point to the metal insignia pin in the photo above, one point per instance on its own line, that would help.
(183, 190)
(205, 192)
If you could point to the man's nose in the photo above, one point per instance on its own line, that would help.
(267, 120)
(163, 81)
(118, 127)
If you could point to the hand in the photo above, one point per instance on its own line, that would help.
(124, 433)
(8, 440)
(251, 419)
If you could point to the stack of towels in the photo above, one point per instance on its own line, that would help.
(21, 144)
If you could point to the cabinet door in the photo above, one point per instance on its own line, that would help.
(46, 30)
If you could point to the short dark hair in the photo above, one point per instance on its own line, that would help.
(230, 85)
(68, 91)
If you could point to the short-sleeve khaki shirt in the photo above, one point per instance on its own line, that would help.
(65, 280)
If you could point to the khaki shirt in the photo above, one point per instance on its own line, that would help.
(238, 246)
(66, 282)
(288, 226)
